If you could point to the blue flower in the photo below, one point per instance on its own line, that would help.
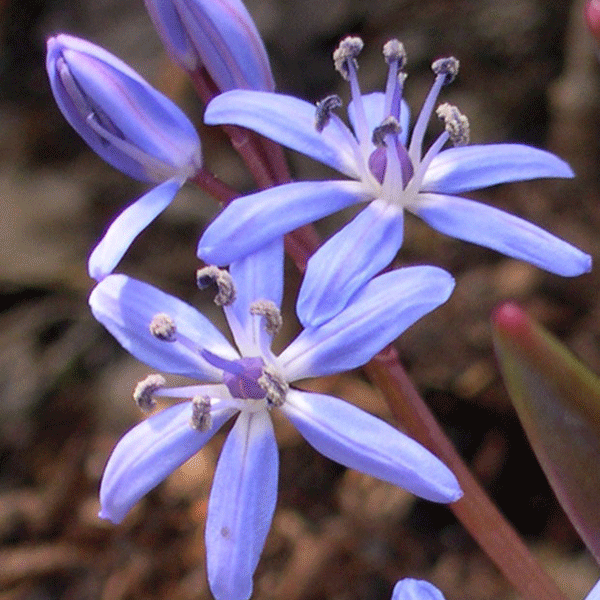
(219, 36)
(384, 170)
(130, 125)
(415, 589)
(249, 382)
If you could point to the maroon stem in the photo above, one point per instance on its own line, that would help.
(474, 510)
(214, 186)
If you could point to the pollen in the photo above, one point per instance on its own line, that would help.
(201, 417)
(456, 124)
(145, 389)
(212, 275)
(163, 327)
(324, 110)
(389, 126)
(394, 51)
(274, 385)
(348, 50)
(272, 315)
(446, 66)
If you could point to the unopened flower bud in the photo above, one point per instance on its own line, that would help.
(221, 36)
(121, 116)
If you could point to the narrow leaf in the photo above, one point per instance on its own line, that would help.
(557, 400)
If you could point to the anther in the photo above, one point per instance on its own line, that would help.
(389, 126)
(145, 389)
(348, 50)
(446, 66)
(272, 315)
(274, 385)
(163, 327)
(456, 124)
(324, 110)
(201, 417)
(394, 51)
(212, 275)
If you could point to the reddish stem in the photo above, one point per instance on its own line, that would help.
(474, 510)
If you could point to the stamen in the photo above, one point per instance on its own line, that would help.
(145, 389)
(324, 110)
(212, 275)
(446, 66)
(455, 123)
(345, 53)
(163, 327)
(274, 385)
(394, 51)
(272, 315)
(389, 126)
(201, 417)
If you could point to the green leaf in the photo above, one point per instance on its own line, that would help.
(558, 402)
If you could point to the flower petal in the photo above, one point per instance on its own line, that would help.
(348, 260)
(258, 276)
(126, 307)
(241, 505)
(250, 222)
(358, 440)
(416, 589)
(378, 314)
(374, 105)
(291, 122)
(127, 226)
(150, 452)
(466, 168)
(493, 228)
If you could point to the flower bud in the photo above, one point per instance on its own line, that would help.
(219, 35)
(121, 116)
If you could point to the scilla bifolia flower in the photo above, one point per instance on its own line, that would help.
(250, 382)
(386, 171)
(416, 589)
(129, 124)
(219, 35)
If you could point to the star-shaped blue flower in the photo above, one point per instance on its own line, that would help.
(386, 171)
(249, 382)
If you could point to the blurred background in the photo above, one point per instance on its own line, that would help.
(529, 73)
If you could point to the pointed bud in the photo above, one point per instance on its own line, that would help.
(120, 115)
(220, 36)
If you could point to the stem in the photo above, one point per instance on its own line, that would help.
(474, 510)
(246, 143)
(214, 186)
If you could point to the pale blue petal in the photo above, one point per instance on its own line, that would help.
(374, 106)
(594, 593)
(126, 308)
(253, 221)
(487, 226)
(291, 122)
(416, 589)
(377, 315)
(358, 440)
(149, 453)
(467, 168)
(348, 260)
(127, 226)
(241, 505)
(259, 276)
